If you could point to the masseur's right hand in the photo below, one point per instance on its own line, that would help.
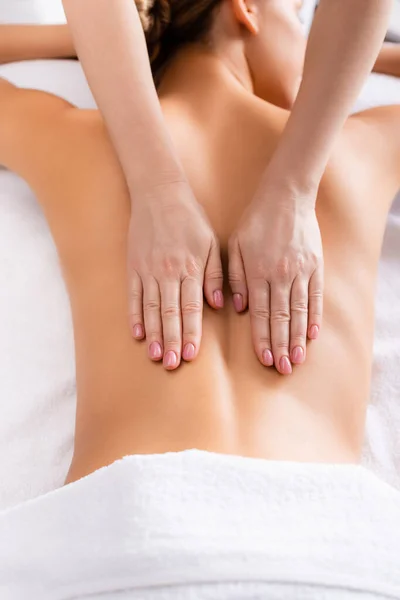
(173, 254)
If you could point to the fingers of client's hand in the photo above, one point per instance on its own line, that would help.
(259, 305)
(171, 322)
(136, 305)
(280, 325)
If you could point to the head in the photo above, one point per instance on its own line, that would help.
(263, 37)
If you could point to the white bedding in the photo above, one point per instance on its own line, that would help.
(31, 11)
(37, 386)
(201, 526)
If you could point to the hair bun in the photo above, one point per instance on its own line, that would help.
(155, 16)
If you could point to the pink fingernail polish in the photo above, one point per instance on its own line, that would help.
(138, 332)
(188, 352)
(238, 302)
(267, 358)
(219, 299)
(314, 331)
(155, 351)
(285, 366)
(170, 360)
(298, 355)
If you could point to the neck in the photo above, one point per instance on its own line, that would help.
(196, 71)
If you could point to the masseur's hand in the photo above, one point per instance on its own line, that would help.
(173, 254)
(276, 269)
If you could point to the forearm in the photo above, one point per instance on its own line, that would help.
(388, 61)
(111, 45)
(344, 42)
(30, 42)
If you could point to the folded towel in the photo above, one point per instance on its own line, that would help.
(162, 526)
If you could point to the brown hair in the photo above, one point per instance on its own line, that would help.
(171, 24)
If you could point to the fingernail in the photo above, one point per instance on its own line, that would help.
(138, 332)
(298, 355)
(219, 299)
(314, 331)
(170, 360)
(238, 302)
(155, 351)
(285, 366)
(188, 352)
(268, 359)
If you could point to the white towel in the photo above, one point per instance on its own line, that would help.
(37, 385)
(165, 526)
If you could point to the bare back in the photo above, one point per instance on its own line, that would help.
(225, 401)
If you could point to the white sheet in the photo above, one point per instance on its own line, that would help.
(200, 526)
(31, 11)
(37, 389)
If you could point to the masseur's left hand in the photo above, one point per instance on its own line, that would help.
(276, 270)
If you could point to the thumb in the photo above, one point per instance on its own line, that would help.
(213, 278)
(237, 276)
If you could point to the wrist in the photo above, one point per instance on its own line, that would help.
(287, 190)
(167, 187)
(157, 168)
(297, 177)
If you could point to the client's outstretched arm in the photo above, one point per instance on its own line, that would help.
(388, 61)
(31, 42)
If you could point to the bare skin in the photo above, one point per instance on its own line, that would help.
(388, 61)
(26, 42)
(225, 401)
(346, 37)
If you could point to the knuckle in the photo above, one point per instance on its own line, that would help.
(281, 315)
(194, 267)
(258, 269)
(153, 335)
(261, 313)
(135, 316)
(152, 306)
(190, 280)
(282, 345)
(171, 312)
(264, 341)
(299, 306)
(214, 274)
(190, 308)
(170, 266)
(299, 336)
(235, 278)
(190, 335)
(300, 264)
(135, 296)
(172, 342)
(316, 294)
(282, 269)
